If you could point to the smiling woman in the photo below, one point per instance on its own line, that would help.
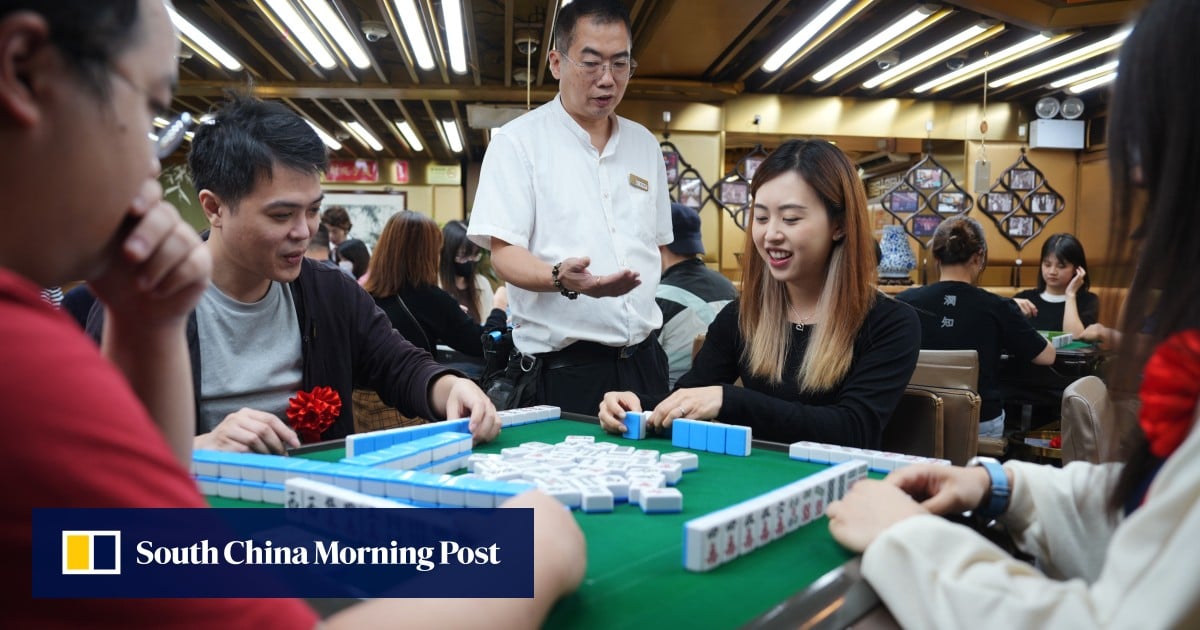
(822, 355)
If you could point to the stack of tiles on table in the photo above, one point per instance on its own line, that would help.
(719, 537)
(405, 467)
(713, 437)
(877, 461)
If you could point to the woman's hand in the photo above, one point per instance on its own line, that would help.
(1027, 307)
(1076, 282)
(943, 489)
(613, 408)
(696, 403)
(869, 508)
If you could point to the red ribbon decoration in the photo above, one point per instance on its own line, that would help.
(1170, 390)
(310, 413)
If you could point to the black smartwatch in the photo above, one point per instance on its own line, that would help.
(996, 501)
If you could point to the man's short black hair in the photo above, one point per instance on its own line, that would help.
(600, 11)
(89, 33)
(244, 141)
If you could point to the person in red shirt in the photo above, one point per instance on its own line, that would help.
(80, 83)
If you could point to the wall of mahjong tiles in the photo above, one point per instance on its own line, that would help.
(635, 575)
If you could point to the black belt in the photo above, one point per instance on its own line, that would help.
(585, 352)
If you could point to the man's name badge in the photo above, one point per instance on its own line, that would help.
(638, 182)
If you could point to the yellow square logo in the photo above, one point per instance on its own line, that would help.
(91, 552)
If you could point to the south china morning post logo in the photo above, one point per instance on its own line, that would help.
(299, 552)
(91, 552)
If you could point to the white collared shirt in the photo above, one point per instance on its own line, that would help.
(544, 187)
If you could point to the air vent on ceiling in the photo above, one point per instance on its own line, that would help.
(880, 163)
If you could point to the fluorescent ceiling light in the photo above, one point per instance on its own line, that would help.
(363, 135)
(414, 30)
(329, 140)
(299, 29)
(1062, 61)
(410, 136)
(873, 43)
(196, 38)
(452, 15)
(452, 135)
(801, 37)
(926, 55)
(337, 29)
(1103, 79)
(962, 74)
(1085, 75)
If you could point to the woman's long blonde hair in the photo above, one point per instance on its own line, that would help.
(849, 291)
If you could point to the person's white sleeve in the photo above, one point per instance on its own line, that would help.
(662, 204)
(935, 574)
(1057, 515)
(504, 201)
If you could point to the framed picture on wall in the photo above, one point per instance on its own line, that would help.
(950, 203)
(1020, 226)
(689, 192)
(1043, 203)
(368, 212)
(750, 167)
(925, 224)
(999, 203)
(1021, 179)
(904, 201)
(671, 162)
(735, 193)
(929, 178)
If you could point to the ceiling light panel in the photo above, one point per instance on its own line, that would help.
(455, 35)
(297, 28)
(802, 35)
(1062, 61)
(336, 27)
(414, 31)
(1016, 51)
(887, 38)
(202, 43)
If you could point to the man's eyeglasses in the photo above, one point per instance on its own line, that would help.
(170, 136)
(621, 69)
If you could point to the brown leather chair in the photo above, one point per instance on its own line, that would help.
(953, 377)
(917, 426)
(1094, 425)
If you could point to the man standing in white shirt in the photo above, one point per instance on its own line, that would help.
(573, 203)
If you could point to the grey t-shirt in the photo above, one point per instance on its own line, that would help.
(250, 354)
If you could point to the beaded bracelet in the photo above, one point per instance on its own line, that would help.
(570, 295)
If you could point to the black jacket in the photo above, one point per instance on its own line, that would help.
(347, 343)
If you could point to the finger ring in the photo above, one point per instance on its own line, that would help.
(682, 412)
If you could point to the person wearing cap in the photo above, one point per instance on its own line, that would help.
(689, 293)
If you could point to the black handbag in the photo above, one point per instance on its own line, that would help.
(510, 377)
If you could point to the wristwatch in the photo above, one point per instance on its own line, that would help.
(996, 501)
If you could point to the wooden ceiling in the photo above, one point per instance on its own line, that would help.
(687, 50)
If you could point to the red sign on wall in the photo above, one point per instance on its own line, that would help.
(401, 171)
(358, 171)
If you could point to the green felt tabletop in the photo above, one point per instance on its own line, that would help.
(635, 575)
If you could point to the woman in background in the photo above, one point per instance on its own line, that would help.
(1115, 542)
(823, 355)
(404, 283)
(957, 315)
(1062, 300)
(460, 258)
